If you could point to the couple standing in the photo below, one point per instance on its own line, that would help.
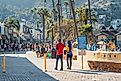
(59, 54)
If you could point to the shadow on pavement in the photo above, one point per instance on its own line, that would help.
(87, 71)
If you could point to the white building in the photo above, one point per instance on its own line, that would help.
(116, 23)
(2, 28)
(29, 33)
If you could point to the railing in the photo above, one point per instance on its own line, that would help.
(15, 52)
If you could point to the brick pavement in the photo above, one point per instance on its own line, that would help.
(35, 74)
(76, 74)
(21, 69)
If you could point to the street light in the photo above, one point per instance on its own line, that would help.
(53, 50)
(52, 34)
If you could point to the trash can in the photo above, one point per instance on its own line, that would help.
(53, 53)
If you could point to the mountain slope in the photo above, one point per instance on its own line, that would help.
(21, 8)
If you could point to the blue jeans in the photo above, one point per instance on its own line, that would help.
(61, 58)
(69, 60)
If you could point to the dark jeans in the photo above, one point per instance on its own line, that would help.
(57, 58)
(69, 60)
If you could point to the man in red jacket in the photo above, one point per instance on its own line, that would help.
(59, 54)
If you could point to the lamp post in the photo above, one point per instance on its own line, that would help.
(53, 49)
(52, 34)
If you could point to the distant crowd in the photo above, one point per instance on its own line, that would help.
(22, 47)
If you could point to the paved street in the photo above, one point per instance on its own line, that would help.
(76, 74)
(20, 69)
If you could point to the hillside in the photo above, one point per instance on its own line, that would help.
(21, 8)
(110, 8)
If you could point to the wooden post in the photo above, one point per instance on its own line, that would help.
(4, 65)
(82, 61)
(45, 64)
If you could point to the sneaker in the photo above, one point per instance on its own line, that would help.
(61, 69)
(70, 68)
(67, 67)
(56, 69)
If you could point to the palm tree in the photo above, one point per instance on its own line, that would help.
(44, 13)
(12, 22)
(59, 17)
(54, 11)
(85, 30)
(83, 17)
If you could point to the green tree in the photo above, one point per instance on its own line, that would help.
(12, 22)
(43, 13)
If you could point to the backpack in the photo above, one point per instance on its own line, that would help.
(67, 48)
(42, 50)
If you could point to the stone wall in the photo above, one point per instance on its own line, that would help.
(106, 61)
(105, 66)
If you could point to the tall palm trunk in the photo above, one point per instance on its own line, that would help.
(44, 3)
(74, 18)
(89, 12)
(66, 5)
(61, 11)
(92, 36)
(70, 12)
(54, 11)
(59, 18)
(66, 12)
(43, 18)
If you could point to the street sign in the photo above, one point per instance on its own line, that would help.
(82, 43)
(82, 52)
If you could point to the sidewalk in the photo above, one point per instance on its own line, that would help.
(76, 74)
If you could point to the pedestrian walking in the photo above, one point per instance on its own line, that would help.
(42, 50)
(59, 54)
(69, 54)
(37, 50)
